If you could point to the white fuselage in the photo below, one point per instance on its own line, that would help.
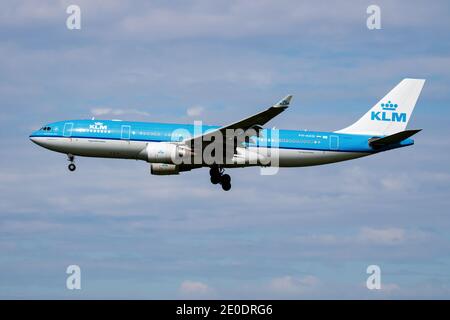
(127, 149)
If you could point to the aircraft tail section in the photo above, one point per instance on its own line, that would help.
(392, 113)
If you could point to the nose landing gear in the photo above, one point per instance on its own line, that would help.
(72, 165)
(217, 176)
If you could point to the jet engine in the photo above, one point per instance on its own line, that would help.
(164, 169)
(160, 152)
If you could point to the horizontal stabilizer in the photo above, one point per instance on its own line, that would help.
(392, 139)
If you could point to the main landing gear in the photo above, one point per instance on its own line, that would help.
(217, 176)
(72, 165)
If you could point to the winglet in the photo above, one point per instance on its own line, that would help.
(284, 102)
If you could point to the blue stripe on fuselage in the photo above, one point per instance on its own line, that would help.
(162, 132)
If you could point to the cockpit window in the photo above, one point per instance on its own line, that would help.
(46, 128)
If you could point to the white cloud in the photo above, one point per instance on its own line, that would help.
(195, 111)
(101, 111)
(386, 290)
(390, 287)
(365, 236)
(292, 285)
(29, 12)
(29, 226)
(232, 19)
(189, 288)
(117, 112)
(382, 236)
(394, 183)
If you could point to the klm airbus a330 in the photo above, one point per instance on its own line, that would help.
(382, 128)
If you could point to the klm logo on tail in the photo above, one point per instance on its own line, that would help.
(388, 113)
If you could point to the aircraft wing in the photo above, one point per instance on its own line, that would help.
(253, 122)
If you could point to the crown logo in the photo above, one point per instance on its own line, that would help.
(389, 106)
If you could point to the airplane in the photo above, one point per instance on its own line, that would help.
(380, 129)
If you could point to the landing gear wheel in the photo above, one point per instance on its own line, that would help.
(71, 159)
(215, 174)
(218, 176)
(225, 179)
(215, 179)
(226, 186)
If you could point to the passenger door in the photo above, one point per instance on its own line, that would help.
(67, 131)
(334, 142)
(125, 132)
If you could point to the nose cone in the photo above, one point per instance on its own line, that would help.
(35, 138)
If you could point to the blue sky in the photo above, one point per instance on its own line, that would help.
(303, 233)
